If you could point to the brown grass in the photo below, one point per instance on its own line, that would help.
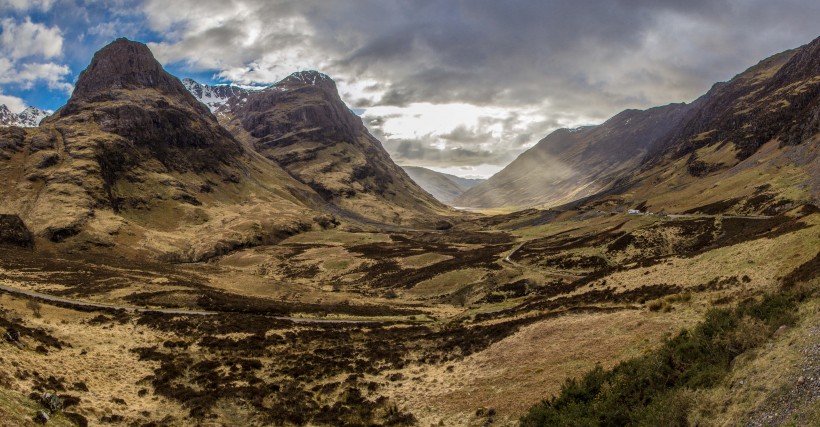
(529, 366)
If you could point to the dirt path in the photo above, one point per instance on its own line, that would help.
(131, 309)
(559, 274)
(508, 258)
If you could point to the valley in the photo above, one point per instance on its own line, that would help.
(173, 254)
(391, 327)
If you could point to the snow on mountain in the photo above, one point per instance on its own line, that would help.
(32, 116)
(220, 97)
(310, 77)
(216, 96)
(28, 118)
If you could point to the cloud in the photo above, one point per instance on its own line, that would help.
(27, 75)
(26, 5)
(448, 135)
(23, 45)
(469, 82)
(247, 42)
(14, 103)
(53, 74)
(25, 39)
(480, 81)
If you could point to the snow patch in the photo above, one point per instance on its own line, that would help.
(216, 96)
(28, 118)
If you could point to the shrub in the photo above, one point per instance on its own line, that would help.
(655, 305)
(656, 388)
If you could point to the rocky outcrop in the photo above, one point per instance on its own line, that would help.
(127, 65)
(163, 121)
(14, 232)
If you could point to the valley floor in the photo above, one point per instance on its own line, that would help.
(352, 326)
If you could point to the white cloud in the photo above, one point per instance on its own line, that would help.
(53, 74)
(24, 39)
(460, 138)
(25, 5)
(14, 103)
(242, 42)
(26, 75)
(23, 45)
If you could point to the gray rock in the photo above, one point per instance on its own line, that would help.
(52, 401)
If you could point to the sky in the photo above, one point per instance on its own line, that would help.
(459, 86)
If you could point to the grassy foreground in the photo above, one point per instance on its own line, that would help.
(657, 388)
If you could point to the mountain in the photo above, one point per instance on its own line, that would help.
(747, 146)
(572, 163)
(30, 117)
(133, 160)
(303, 125)
(216, 97)
(442, 186)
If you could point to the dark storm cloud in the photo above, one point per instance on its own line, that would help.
(512, 52)
(575, 61)
(516, 51)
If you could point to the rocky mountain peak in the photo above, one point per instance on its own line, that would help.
(307, 78)
(30, 117)
(6, 116)
(125, 64)
(216, 96)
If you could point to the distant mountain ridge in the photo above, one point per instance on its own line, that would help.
(444, 187)
(569, 164)
(750, 145)
(28, 118)
(747, 146)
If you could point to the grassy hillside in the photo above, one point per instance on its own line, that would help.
(668, 386)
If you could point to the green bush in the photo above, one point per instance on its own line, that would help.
(655, 389)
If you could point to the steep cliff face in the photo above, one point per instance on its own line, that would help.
(134, 160)
(302, 124)
(125, 92)
(126, 65)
